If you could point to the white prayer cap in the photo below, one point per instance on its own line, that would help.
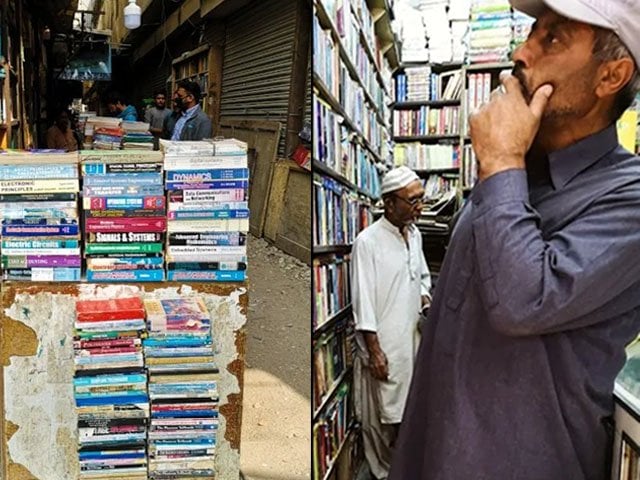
(398, 178)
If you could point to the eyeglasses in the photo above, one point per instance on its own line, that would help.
(414, 201)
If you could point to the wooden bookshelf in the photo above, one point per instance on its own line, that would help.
(324, 169)
(427, 103)
(426, 138)
(320, 329)
(324, 249)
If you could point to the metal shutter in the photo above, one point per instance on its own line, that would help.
(258, 57)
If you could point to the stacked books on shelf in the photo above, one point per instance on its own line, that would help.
(183, 379)
(333, 293)
(137, 136)
(522, 24)
(207, 184)
(426, 121)
(124, 215)
(339, 214)
(418, 156)
(491, 31)
(326, 58)
(331, 430)
(435, 186)
(39, 211)
(344, 157)
(329, 362)
(105, 132)
(110, 389)
(420, 84)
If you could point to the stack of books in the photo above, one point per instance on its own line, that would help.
(419, 156)
(332, 292)
(414, 85)
(39, 211)
(95, 126)
(137, 136)
(207, 184)
(491, 32)
(110, 389)
(522, 24)
(183, 380)
(125, 215)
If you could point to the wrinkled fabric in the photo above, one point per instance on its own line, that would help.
(538, 295)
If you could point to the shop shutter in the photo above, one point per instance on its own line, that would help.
(257, 64)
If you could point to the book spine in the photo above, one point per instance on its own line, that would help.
(199, 176)
(207, 205)
(108, 248)
(108, 379)
(39, 221)
(135, 225)
(37, 244)
(208, 226)
(196, 163)
(127, 275)
(221, 195)
(124, 237)
(124, 213)
(31, 261)
(39, 197)
(203, 239)
(207, 266)
(43, 274)
(208, 214)
(122, 190)
(113, 179)
(38, 230)
(172, 250)
(213, 185)
(39, 186)
(106, 168)
(155, 202)
(108, 262)
(45, 171)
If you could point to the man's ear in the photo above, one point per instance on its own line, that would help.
(614, 75)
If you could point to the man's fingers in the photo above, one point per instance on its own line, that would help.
(540, 100)
(511, 84)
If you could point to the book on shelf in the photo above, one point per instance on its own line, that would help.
(419, 156)
(339, 214)
(436, 186)
(426, 121)
(329, 362)
(330, 432)
(469, 168)
(333, 293)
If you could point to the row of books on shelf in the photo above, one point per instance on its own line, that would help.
(351, 98)
(418, 156)
(348, 26)
(138, 216)
(332, 355)
(338, 148)
(495, 30)
(436, 186)
(332, 287)
(145, 388)
(339, 213)
(331, 431)
(421, 84)
(427, 120)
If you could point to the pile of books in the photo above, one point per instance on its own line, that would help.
(208, 211)
(183, 379)
(125, 215)
(522, 24)
(491, 32)
(137, 136)
(110, 389)
(39, 211)
(105, 132)
(419, 156)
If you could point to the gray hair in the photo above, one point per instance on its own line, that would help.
(607, 47)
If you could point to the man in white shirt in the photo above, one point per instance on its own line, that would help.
(390, 284)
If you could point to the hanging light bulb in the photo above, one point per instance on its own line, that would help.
(132, 15)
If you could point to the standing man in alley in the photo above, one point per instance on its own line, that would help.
(390, 285)
(117, 106)
(193, 123)
(156, 115)
(60, 135)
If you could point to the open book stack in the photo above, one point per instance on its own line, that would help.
(183, 389)
(110, 389)
(208, 211)
(105, 132)
(39, 211)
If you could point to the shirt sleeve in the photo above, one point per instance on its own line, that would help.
(147, 116)
(531, 285)
(363, 287)
(425, 275)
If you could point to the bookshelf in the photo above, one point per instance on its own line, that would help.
(194, 66)
(355, 54)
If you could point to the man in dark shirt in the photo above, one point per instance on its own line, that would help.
(540, 289)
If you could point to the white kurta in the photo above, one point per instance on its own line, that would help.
(388, 278)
